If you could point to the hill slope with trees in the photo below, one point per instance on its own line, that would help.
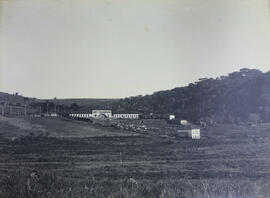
(239, 97)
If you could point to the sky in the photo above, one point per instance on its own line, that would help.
(122, 48)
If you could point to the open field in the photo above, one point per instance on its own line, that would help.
(68, 158)
(54, 127)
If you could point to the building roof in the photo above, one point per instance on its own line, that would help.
(126, 113)
(102, 111)
(81, 112)
(105, 111)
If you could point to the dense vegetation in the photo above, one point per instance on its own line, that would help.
(239, 97)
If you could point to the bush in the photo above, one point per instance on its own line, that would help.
(31, 184)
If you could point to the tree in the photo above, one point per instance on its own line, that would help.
(74, 107)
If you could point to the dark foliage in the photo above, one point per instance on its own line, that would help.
(231, 99)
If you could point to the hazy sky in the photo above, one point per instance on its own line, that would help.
(119, 48)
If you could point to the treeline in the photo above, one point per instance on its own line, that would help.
(56, 106)
(239, 97)
(35, 106)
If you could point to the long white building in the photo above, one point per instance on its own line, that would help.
(81, 115)
(105, 114)
(126, 115)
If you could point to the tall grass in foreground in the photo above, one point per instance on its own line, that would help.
(33, 184)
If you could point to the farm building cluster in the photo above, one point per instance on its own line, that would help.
(105, 114)
(130, 121)
(182, 127)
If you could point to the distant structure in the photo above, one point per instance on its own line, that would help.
(102, 113)
(80, 115)
(184, 122)
(126, 116)
(99, 114)
(54, 115)
(15, 110)
(171, 117)
(191, 133)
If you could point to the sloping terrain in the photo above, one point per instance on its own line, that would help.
(54, 127)
(226, 99)
(229, 161)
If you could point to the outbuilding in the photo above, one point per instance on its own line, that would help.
(190, 133)
(171, 117)
(184, 122)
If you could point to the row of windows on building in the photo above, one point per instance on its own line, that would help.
(124, 116)
(191, 133)
(133, 116)
(80, 115)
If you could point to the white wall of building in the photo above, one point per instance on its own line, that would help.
(126, 116)
(80, 115)
(184, 122)
(102, 113)
(195, 134)
(191, 133)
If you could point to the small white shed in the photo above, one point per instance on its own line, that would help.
(184, 122)
(172, 117)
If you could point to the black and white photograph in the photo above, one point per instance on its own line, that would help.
(134, 98)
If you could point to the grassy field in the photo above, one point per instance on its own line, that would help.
(54, 127)
(57, 157)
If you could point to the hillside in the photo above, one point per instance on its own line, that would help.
(14, 127)
(14, 99)
(239, 97)
(61, 105)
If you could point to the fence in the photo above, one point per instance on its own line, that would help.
(11, 110)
